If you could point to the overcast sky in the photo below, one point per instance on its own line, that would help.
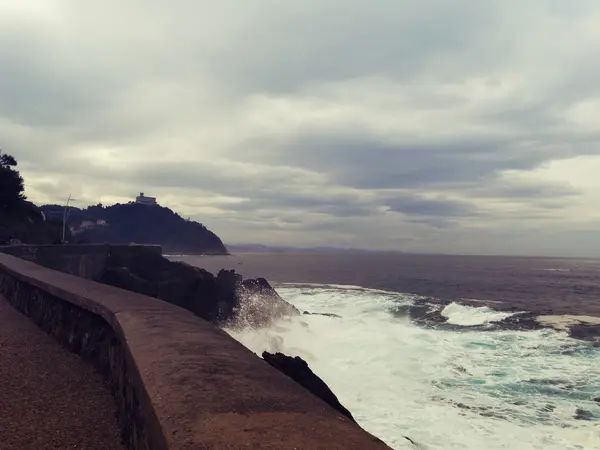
(431, 125)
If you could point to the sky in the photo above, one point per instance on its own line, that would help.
(455, 126)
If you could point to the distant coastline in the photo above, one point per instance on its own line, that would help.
(261, 248)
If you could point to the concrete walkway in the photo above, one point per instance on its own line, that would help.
(49, 398)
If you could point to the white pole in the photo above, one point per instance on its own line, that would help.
(65, 218)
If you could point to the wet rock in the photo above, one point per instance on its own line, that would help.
(298, 370)
(522, 321)
(224, 299)
(411, 441)
(492, 414)
(548, 408)
(460, 369)
(258, 304)
(582, 414)
(322, 314)
(422, 312)
(481, 410)
(519, 403)
(586, 332)
(597, 399)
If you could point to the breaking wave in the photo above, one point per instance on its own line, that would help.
(444, 388)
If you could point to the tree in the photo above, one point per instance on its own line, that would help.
(12, 187)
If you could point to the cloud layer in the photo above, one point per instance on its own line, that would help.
(454, 126)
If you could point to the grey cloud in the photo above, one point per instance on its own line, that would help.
(339, 40)
(277, 189)
(414, 205)
(527, 191)
(385, 121)
(338, 206)
(361, 161)
(434, 212)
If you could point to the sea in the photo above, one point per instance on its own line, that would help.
(464, 383)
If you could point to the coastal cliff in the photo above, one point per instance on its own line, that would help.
(224, 299)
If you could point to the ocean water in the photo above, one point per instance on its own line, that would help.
(443, 389)
(469, 385)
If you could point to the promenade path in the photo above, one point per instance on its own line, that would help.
(49, 397)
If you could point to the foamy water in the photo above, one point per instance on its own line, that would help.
(468, 389)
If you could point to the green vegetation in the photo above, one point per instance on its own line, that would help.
(141, 224)
(116, 224)
(12, 187)
(20, 219)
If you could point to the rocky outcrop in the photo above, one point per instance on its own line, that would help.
(298, 370)
(225, 299)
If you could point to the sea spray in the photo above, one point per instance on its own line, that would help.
(445, 389)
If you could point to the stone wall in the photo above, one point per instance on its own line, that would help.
(86, 261)
(179, 382)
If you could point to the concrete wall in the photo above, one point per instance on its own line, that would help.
(179, 382)
(86, 261)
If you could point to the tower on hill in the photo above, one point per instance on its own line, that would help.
(142, 199)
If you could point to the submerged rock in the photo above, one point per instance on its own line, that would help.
(586, 332)
(299, 371)
(223, 299)
(337, 316)
(582, 414)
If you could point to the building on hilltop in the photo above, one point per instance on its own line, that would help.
(143, 200)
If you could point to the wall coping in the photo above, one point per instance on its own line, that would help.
(205, 390)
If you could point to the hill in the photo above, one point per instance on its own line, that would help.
(138, 223)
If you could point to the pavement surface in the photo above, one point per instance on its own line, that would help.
(49, 397)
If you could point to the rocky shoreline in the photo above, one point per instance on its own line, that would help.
(428, 313)
(226, 300)
(299, 371)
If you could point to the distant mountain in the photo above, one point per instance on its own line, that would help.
(260, 248)
(138, 223)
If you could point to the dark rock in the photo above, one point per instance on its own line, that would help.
(582, 414)
(548, 408)
(523, 321)
(461, 369)
(586, 332)
(411, 441)
(422, 312)
(298, 370)
(322, 314)
(481, 410)
(257, 304)
(597, 399)
(226, 299)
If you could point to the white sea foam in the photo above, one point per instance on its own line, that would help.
(566, 321)
(457, 314)
(350, 287)
(465, 389)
